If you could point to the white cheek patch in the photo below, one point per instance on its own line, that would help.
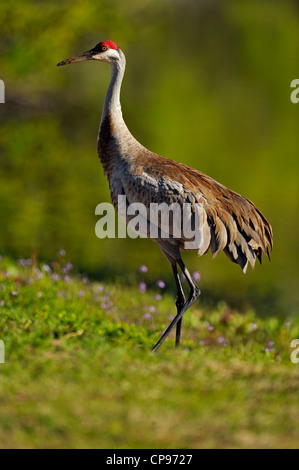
(98, 56)
(106, 56)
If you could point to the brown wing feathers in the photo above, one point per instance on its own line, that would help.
(237, 227)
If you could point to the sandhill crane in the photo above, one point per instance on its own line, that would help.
(229, 222)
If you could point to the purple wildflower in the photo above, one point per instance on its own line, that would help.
(161, 284)
(196, 276)
(55, 277)
(107, 304)
(208, 326)
(100, 288)
(61, 253)
(268, 347)
(67, 268)
(147, 316)
(203, 342)
(14, 292)
(152, 309)
(81, 293)
(143, 268)
(253, 326)
(46, 268)
(158, 297)
(38, 274)
(142, 287)
(183, 277)
(222, 340)
(24, 262)
(106, 297)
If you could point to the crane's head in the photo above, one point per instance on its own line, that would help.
(106, 51)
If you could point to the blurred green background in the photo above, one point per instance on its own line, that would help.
(207, 84)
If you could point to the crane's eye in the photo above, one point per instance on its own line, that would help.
(104, 48)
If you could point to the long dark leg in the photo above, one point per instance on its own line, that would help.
(194, 294)
(194, 289)
(180, 302)
(178, 333)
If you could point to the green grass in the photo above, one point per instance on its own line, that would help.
(78, 369)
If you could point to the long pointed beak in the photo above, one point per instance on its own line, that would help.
(78, 58)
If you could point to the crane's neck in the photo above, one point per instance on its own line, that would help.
(112, 107)
(115, 142)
